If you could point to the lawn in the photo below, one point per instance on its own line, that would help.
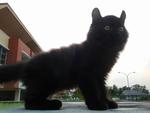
(10, 105)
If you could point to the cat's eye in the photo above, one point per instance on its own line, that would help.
(121, 29)
(107, 28)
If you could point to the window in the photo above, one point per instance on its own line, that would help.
(25, 56)
(3, 55)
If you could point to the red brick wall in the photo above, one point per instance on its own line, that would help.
(13, 50)
(22, 48)
(16, 47)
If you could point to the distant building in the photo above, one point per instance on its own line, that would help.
(16, 44)
(132, 94)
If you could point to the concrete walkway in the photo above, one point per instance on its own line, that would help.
(79, 107)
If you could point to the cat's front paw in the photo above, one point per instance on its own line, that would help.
(112, 104)
(101, 106)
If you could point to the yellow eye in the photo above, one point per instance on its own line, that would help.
(121, 29)
(107, 28)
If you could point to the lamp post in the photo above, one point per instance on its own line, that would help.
(127, 75)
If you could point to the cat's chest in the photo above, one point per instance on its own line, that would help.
(93, 59)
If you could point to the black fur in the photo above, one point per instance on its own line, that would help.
(84, 65)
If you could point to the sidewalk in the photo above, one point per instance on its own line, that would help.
(79, 107)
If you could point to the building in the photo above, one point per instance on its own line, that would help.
(16, 44)
(132, 94)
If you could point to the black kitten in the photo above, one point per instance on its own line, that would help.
(83, 65)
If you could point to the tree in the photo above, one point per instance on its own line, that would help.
(113, 91)
(140, 88)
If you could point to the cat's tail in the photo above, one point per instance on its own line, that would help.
(11, 72)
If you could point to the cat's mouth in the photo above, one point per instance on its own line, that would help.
(113, 43)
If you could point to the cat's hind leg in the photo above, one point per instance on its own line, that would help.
(37, 100)
(43, 104)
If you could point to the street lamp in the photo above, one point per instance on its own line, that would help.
(127, 75)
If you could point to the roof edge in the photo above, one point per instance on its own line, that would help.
(6, 5)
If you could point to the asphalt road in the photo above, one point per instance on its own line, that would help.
(79, 107)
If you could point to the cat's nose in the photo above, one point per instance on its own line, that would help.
(116, 35)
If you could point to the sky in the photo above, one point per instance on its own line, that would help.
(57, 23)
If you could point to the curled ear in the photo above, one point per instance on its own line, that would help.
(123, 17)
(96, 14)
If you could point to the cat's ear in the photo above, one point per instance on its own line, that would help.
(96, 15)
(123, 17)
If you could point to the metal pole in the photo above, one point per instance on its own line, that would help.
(127, 75)
(128, 81)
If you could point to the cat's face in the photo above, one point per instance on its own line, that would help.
(109, 30)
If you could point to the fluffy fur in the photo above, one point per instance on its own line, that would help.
(84, 65)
